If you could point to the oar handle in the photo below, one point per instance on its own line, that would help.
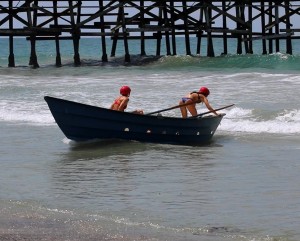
(204, 113)
(171, 108)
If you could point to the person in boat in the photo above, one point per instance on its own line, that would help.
(195, 98)
(120, 103)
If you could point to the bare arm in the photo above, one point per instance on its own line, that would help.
(123, 104)
(205, 101)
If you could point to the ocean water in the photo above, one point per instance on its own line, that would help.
(244, 186)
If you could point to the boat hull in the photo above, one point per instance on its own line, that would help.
(81, 122)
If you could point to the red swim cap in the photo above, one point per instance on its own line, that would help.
(125, 90)
(204, 91)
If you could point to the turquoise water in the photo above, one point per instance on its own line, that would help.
(242, 186)
(91, 53)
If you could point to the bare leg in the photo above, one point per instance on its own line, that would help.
(192, 109)
(183, 110)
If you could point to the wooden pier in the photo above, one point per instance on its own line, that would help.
(137, 20)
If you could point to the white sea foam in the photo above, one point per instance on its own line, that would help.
(31, 114)
(289, 116)
(242, 120)
(260, 127)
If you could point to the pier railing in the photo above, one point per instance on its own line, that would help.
(124, 20)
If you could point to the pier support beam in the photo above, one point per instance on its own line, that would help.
(200, 32)
(142, 25)
(244, 27)
(58, 57)
(33, 57)
(263, 30)
(224, 19)
(11, 57)
(238, 27)
(250, 14)
(159, 35)
(210, 46)
(270, 32)
(77, 61)
(127, 55)
(75, 31)
(103, 40)
(55, 15)
(32, 21)
(186, 31)
(173, 28)
(277, 45)
(166, 25)
(289, 49)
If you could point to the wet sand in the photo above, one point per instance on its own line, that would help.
(20, 225)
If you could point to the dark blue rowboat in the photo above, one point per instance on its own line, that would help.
(81, 122)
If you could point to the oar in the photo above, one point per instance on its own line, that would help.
(171, 108)
(204, 113)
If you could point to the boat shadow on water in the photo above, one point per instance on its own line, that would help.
(99, 149)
